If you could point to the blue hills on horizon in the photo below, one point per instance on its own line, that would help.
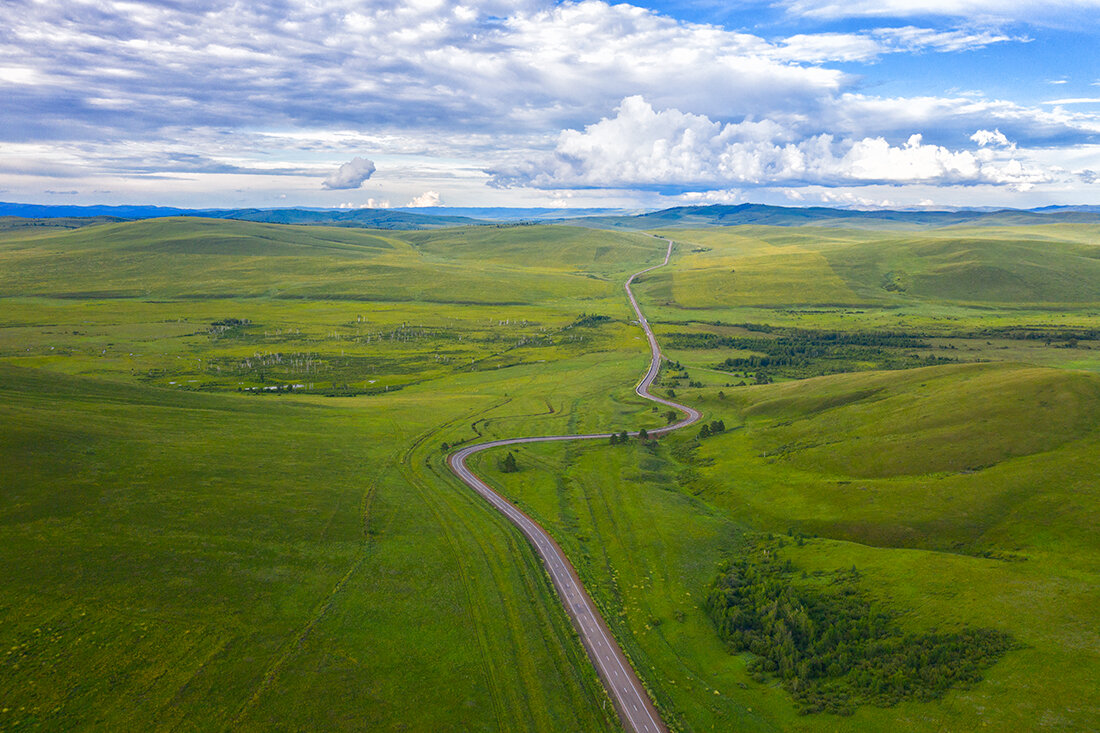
(675, 217)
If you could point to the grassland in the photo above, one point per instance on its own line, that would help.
(183, 551)
(224, 502)
(964, 493)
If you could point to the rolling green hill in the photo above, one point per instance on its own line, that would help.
(224, 504)
(968, 268)
(963, 496)
(204, 258)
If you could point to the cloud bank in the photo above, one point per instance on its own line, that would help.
(216, 96)
(676, 151)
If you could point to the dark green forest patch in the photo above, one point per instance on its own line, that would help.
(796, 353)
(830, 645)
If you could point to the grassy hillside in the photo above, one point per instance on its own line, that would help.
(966, 268)
(873, 471)
(206, 557)
(963, 493)
(224, 499)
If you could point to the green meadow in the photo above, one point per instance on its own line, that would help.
(224, 503)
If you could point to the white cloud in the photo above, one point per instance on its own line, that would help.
(1021, 10)
(19, 75)
(855, 200)
(994, 138)
(870, 45)
(350, 175)
(370, 204)
(726, 196)
(161, 96)
(428, 198)
(1075, 100)
(642, 148)
(911, 38)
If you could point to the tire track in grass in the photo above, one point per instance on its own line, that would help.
(366, 500)
(273, 670)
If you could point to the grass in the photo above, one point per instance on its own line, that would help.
(189, 552)
(964, 493)
(1007, 547)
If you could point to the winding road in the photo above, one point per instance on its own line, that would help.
(635, 708)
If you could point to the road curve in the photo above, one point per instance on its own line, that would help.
(635, 708)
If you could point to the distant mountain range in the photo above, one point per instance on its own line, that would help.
(366, 218)
(677, 217)
(761, 214)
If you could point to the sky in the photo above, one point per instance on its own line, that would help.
(374, 103)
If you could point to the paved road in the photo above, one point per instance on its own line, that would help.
(635, 708)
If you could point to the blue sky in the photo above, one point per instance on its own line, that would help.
(539, 103)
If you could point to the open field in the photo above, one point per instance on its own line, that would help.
(224, 499)
(180, 550)
(963, 492)
(945, 544)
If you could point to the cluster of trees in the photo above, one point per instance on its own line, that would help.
(1036, 333)
(623, 437)
(830, 645)
(798, 353)
(715, 427)
(593, 319)
(228, 326)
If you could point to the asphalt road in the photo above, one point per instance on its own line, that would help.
(635, 708)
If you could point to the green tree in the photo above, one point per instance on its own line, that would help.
(508, 465)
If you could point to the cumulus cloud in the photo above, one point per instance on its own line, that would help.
(996, 138)
(428, 198)
(350, 174)
(670, 150)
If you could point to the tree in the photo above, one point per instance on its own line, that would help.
(704, 432)
(671, 416)
(508, 465)
(614, 439)
(623, 437)
(643, 435)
